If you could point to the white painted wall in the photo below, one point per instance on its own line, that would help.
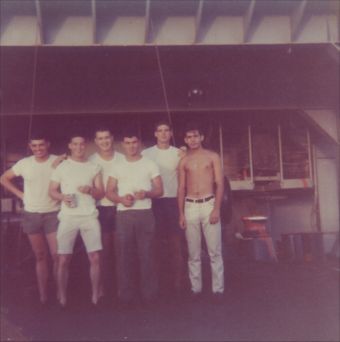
(293, 215)
(328, 188)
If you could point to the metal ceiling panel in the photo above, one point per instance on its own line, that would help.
(167, 22)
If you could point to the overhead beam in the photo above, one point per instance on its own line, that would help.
(147, 21)
(298, 19)
(231, 109)
(325, 121)
(39, 21)
(334, 52)
(198, 21)
(94, 21)
(336, 46)
(248, 20)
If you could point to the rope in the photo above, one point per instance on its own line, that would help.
(34, 78)
(165, 94)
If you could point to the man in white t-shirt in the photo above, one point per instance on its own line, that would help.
(132, 184)
(106, 158)
(77, 183)
(170, 235)
(40, 220)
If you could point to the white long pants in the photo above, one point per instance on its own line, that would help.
(197, 220)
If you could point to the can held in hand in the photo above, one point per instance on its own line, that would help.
(73, 203)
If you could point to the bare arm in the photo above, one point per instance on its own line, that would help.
(219, 183)
(59, 160)
(54, 192)
(182, 152)
(97, 188)
(112, 194)
(181, 193)
(156, 190)
(6, 182)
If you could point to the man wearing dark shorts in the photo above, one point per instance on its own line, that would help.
(39, 220)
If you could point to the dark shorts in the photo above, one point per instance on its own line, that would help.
(107, 218)
(35, 223)
(166, 215)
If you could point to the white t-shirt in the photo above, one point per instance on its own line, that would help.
(107, 166)
(167, 160)
(36, 177)
(71, 174)
(135, 176)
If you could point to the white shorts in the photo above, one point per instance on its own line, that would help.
(68, 229)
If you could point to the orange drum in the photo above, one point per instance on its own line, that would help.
(255, 226)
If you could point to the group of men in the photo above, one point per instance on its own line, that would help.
(128, 203)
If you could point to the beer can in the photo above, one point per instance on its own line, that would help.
(73, 203)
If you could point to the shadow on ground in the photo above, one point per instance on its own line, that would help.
(263, 302)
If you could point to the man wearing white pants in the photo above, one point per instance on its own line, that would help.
(200, 194)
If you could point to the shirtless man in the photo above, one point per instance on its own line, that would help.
(200, 194)
(77, 184)
(40, 220)
(106, 158)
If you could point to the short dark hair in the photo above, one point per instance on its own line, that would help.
(193, 126)
(102, 128)
(38, 135)
(130, 132)
(163, 122)
(77, 134)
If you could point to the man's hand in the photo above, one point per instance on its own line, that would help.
(214, 216)
(127, 200)
(67, 199)
(140, 195)
(20, 195)
(58, 160)
(182, 222)
(85, 189)
(182, 151)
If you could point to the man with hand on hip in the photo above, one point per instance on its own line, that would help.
(39, 219)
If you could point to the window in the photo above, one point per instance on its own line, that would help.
(295, 151)
(236, 156)
(265, 151)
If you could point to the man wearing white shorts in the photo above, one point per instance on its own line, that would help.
(77, 183)
(40, 220)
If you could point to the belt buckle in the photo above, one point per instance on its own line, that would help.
(207, 198)
(200, 200)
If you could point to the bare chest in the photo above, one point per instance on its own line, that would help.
(198, 165)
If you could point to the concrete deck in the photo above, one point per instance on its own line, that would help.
(263, 302)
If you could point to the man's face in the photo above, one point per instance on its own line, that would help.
(193, 139)
(39, 147)
(163, 134)
(77, 147)
(104, 140)
(131, 146)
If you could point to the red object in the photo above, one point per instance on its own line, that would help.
(255, 226)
